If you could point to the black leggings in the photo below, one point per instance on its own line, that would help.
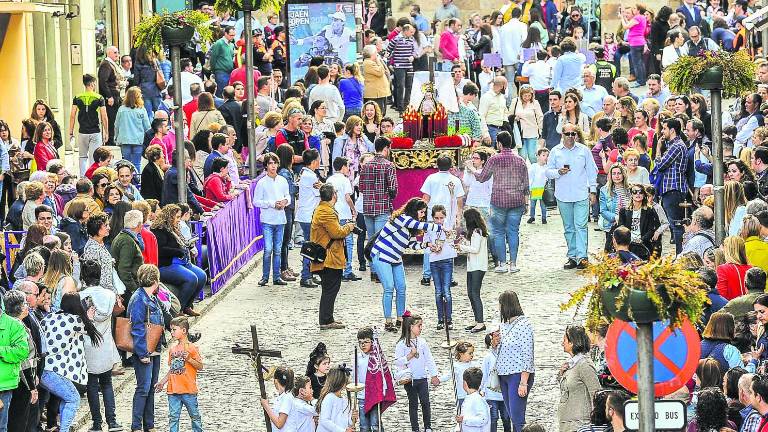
(287, 234)
(474, 283)
(360, 222)
(418, 392)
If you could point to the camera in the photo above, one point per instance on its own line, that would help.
(685, 222)
(357, 230)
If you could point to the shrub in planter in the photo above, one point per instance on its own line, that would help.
(168, 28)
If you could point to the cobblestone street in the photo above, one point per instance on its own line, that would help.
(287, 320)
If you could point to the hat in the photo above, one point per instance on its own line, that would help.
(339, 15)
(739, 19)
(294, 111)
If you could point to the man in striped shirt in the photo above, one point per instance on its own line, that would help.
(670, 168)
(403, 47)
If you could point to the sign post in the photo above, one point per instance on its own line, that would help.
(645, 393)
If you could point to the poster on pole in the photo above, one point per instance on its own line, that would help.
(320, 29)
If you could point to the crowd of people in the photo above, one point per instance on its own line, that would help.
(107, 253)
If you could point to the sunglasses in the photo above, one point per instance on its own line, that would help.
(102, 184)
(638, 192)
(570, 134)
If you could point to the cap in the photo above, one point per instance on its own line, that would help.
(739, 19)
(339, 15)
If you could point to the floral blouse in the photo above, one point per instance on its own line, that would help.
(99, 253)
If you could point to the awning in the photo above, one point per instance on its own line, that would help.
(12, 7)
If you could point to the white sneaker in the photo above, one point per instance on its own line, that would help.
(513, 269)
(501, 268)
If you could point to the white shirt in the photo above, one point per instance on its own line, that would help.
(362, 373)
(268, 191)
(512, 35)
(516, 349)
(489, 361)
(593, 99)
(670, 55)
(187, 79)
(436, 186)
(539, 74)
(580, 180)
(283, 404)
(309, 196)
(422, 366)
(458, 376)
(447, 251)
(477, 414)
(343, 187)
(334, 414)
(332, 98)
(478, 194)
(302, 418)
(477, 252)
(234, 173)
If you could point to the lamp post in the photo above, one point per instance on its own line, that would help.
(717, 165)
(249, 122)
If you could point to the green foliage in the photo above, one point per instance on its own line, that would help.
(148, 32)
(738, 72)
(232, 6)
(675, 292)
(463, 130)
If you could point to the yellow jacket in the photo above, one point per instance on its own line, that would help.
(325, 227)
(376, 82)
(757, 253)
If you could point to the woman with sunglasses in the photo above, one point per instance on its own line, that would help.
(642, 221)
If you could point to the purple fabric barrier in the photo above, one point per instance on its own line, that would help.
(234, 237)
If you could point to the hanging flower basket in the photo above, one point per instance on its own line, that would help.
(711, 79)
(644, 292)
(173, 36)
(171, 29)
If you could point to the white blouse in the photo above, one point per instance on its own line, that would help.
(335, 414)
(516, 348)
(422, 366)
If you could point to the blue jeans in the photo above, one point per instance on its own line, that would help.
(273, 241)
(541, 205)
(101, 382)
(528, 149)
(175, 401)
(575, 216)
(5, 398)
(152, 104)
(670, 202)
(143, 413)
(222, 80)
(442, 273)
(132, 153)
(188, 277)
(374, 224)
(505, 227)
(305, 274)
(66, 391)
(514, 403)
(392, 277)
(368, 422)
(493, 131)
(499, 411)
(349, 243)
(638, 65)
(426, 269)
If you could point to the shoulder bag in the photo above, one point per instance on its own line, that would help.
(124, 338)
(315, 252)
(159, 77)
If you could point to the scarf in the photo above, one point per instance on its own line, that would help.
(379, 388)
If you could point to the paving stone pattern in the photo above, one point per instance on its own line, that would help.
(287, 320)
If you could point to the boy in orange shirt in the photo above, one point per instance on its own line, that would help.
(185, 361)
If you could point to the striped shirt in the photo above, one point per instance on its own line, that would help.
(402, 49)
(395, 237)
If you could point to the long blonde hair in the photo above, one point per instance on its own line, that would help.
(133, 98)
(59, 265)
(734, 250)
(734, 197)
(610, 184)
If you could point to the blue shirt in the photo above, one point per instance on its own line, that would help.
(351, 92)
(671, 167)
(593, 99)
(662, 97)
(567, 71)
(421, 23)
(576, 185)
(208, 164)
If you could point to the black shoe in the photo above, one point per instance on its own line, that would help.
(425, 281)
(454, 284)
(570, 264)
(531, 220)
(390, 327)
(478, 330)
(263, 282)
(316, 279)
(351, 278)
(399, 323)
(543, 221)
(450, 325)
(363, 267)
(440, 325)
(469, 327)
(583, 263)
(307, 283)
(375, 278)
(279, 282)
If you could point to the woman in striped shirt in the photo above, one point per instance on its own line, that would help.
(397, 235)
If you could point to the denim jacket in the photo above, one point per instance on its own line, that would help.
(608, 205)
(138, 306)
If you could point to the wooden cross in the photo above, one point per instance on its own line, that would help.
(256, 353)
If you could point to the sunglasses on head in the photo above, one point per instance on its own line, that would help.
(570, 134)
(638, 192)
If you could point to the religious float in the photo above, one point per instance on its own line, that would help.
(425, 136)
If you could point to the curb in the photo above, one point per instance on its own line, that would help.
(119, 383)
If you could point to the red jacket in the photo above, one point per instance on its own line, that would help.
(44, 153)
(239, 75)
(89, 172)
(189, 109)
(730, 280)
(150, 247)
(217, 189)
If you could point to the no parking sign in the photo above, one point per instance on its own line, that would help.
(675, 355)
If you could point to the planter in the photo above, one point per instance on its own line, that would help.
(251, 5)
(643, 309)
(173, 36)
(711, 79)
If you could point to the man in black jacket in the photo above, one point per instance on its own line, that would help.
(111, 84)
(233, 114)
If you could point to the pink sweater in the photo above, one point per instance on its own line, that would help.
(449, 45)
